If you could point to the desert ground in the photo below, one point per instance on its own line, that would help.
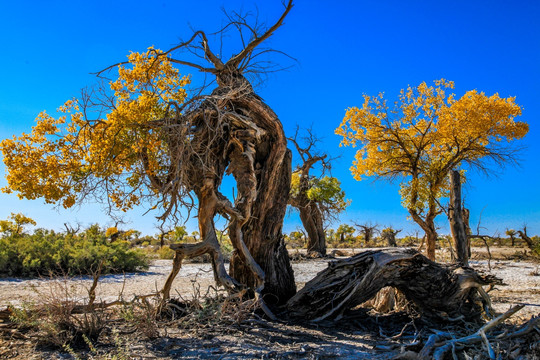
(364, 335)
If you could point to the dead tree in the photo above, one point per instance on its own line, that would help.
(389, 235)
(368, 231)
(72, 230)
(457, 223)
(439, 291)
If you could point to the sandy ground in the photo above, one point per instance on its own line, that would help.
(522, 279)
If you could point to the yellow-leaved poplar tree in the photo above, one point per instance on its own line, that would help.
(15, 224)
(138, 138)
(424, 135)
(117, 152)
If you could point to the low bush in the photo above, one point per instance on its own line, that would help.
(48, 253)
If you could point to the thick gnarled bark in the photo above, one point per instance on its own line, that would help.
(232, 131)
(312, 220)
(437, 290)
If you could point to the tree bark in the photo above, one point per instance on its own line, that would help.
(428, 225)
(439, 291)
(468, 231)
(457, 224)
(390, 237)
(262, 232)
(311, 218)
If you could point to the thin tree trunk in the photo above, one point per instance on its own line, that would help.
(431, 237)
(466, 221)
(428, 225)
(457, 225)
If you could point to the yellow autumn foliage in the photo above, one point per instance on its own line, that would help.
(427, 133)
(65, 158)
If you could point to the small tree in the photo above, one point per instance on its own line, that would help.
(389, 235)
(346, 234)
(15, 224)
(424, 136)
(368, 231)
(317, 198)
(512, 234)
(523, 235)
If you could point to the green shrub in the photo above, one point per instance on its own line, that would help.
(46, 252)
(165, 253)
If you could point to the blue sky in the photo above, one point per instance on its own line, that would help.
(343, 49)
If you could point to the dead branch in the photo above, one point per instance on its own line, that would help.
(440, 349)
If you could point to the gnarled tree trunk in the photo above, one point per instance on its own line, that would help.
(262, 233)
(311, 218)
(232, 131)
(437, 290)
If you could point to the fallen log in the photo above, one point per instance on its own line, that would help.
(447, 292)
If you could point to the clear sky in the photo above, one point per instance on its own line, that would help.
(343, 49)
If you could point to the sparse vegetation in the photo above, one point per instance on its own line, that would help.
(145, 136)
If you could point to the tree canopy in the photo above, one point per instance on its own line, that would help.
(141, 137)
(325, 191)
(111, 144)
(15, 224)
(425, 134)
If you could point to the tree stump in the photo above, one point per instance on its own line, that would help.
(442, 291)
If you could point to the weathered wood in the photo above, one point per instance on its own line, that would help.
(442, 349)
(455, 216)
(440, 291)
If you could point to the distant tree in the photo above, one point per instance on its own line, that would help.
(389, 235)
(297, 238)
(523, 235)
(512, 234)
(345, 233)
(317, 198)
(424, 136)
(368, 231)
(15, 224)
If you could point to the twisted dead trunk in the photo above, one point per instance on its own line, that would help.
(438, 291)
